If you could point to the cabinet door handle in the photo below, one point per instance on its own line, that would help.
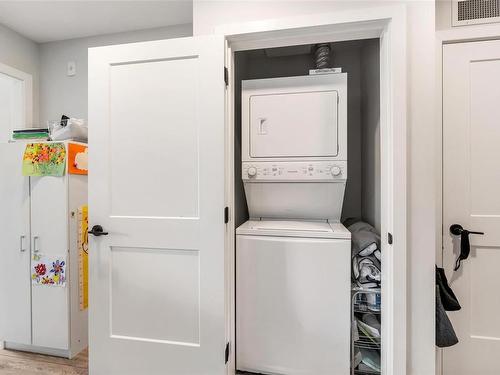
(35, 242)
(21, 243)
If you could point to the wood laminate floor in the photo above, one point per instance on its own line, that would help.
(14, 362)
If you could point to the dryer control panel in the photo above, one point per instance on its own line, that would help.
(328, 171)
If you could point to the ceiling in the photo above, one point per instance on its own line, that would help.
(45, 21)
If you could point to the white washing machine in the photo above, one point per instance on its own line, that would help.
(293, 298)
(293, 255)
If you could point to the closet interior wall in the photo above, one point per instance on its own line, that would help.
(360, 59)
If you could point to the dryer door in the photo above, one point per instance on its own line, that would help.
(300, 124)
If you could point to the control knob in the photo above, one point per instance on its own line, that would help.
(252, 171)
(336, 171)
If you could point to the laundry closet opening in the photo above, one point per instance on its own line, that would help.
(296, 291)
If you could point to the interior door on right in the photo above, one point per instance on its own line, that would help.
(471, 198)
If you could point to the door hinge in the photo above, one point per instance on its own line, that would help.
(226, 215)
(226, 76)
(226, 354)
(389, 238)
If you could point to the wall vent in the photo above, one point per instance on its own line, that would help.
(472, 12)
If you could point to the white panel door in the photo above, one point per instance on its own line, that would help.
(15, 294)
(156, 184)
(471, 178)
(49, 231)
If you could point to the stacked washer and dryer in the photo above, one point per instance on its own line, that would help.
(293, 254)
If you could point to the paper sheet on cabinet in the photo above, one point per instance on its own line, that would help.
(48, 270)
(77, 159)
(44, 159)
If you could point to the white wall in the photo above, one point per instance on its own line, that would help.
(443, 14)
(207, 15)
(62, 94)
(370, 125)
(22, 54)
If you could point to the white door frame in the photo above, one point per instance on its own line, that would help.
(27, 81)
(456, 35)
(388, 24)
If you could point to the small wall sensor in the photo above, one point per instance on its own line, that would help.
(71, 68)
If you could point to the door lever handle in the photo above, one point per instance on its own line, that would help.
(98, 231)
(458, 230)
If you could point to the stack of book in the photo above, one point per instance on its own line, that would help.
(31, 133)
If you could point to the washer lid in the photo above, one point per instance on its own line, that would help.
(289, 228)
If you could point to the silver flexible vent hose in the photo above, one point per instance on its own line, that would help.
(322, 56)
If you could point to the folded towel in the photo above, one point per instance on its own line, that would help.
(372, 321)
(369, 332)
(366, 255)
(364, 238)
(357, 358)
(366, 272)
(370, 359)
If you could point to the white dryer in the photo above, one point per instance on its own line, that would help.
(293, 298)
(294, 146)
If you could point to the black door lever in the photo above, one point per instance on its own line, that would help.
(98, 231)
(458, 230)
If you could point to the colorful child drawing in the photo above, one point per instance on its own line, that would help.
(44, 159)
(40, 269)
(58, 267)
(56, 275)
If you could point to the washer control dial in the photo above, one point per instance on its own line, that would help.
(252, 171)
(336, 171)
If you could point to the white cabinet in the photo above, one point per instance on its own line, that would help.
(15, 282)
(39, 216)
